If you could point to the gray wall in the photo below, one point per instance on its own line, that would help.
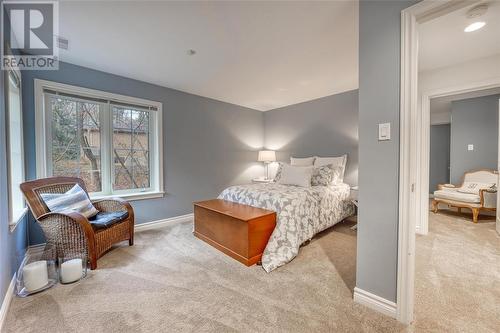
(439, 172)
(208, 144)
(325, 127)
(12, 244)
(474, 121)
(379, 78)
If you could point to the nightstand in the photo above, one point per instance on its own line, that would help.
(353, 196)
(262, 180)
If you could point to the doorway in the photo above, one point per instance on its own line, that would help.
(457, 261)
(415, 137)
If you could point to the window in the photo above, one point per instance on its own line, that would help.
(75, 143)
(112, 142)
(14, 146)
(131, 148)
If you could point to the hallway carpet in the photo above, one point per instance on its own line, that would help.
(457, 285)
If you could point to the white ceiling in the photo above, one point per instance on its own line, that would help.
(443, 42)
(261, 55)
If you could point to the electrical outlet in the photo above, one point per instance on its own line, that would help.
(470, 147)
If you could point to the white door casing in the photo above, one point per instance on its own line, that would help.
(414, 149)
(422, 187)
(498, 167)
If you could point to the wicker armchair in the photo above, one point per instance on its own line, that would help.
(71, 232)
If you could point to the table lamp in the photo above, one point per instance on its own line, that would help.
(267, 156)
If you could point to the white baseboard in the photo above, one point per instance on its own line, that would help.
(163, 222)
(6, 301)
(375, 302)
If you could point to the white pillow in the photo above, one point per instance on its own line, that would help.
(307, 161)
(336, 161)
(474, 187)
(296, 175)
(339, 161)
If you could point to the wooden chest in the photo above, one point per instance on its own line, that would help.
(240, 231)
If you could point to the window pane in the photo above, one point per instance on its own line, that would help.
(16, 165)
(76, 140)
(130, 148)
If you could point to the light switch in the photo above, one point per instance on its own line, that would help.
(384, 131)
(470, 147)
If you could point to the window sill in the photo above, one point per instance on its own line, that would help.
(132, 196)
(15, 221)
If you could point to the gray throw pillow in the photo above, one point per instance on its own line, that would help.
(277, 177)
(75, 200)
(326, 175)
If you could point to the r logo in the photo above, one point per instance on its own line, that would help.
(28, 28)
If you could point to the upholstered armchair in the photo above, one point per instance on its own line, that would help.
(477, 192)
(71, 232)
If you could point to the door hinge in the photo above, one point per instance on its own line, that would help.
(413, 187)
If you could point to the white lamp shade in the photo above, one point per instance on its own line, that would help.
(267, 156)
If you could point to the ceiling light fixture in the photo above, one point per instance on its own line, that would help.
(473, 14)
(474, 26)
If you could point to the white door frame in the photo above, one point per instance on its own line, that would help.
(497, 217)
(423, 224)
(412, 146)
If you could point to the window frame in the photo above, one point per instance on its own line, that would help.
(43, 134)
(14, 219)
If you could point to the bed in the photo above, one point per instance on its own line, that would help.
(302, 212)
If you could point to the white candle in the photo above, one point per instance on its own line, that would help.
(35, 275)
(71, 270)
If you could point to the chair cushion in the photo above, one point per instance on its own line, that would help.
(454, 195)
(103, 220)
(474, 187)
(73, 200)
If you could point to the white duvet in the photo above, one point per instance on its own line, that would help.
(301, 212)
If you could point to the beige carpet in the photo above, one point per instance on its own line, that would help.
(170, 281)
(457, 285)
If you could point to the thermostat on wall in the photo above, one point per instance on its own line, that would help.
(384, 131)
